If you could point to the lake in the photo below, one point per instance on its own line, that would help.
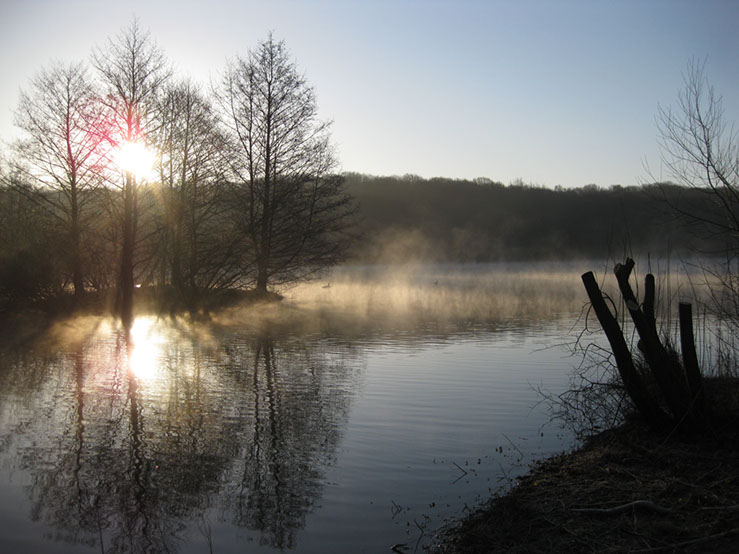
(361, 412)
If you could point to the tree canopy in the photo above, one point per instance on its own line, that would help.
(244, 192)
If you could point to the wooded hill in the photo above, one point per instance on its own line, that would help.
(451, 220)
(400, 219)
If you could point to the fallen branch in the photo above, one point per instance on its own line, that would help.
(720, 508)
(460, 468)
(574, 535)
(692, 542)
(645, 504)
(461, 476)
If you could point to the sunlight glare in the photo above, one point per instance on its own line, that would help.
(136, 158)
(146, 350)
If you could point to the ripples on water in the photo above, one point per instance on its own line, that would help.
(348, 418)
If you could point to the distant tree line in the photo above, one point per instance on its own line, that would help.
(126, 175)
(452, 220)
(191, 236)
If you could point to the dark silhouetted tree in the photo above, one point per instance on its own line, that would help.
(61, 156)
(291, 205)
(133, 70)
(700, 149)
(195, 239)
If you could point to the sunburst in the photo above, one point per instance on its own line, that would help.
(136, 158)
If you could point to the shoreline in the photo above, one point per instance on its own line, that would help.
(626, 489)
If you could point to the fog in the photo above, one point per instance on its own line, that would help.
(417, 298)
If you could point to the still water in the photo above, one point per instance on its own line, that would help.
(359, 413)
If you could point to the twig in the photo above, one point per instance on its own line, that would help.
(461, 476)
(691, 542)
(396, 509)
(423, 532)
(505, 475)
(646, 504)
(460, 469)
(717, 508)
(577, 537)
(514, 446)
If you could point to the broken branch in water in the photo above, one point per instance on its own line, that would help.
(460, 469)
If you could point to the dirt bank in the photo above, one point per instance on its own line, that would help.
(628, 489)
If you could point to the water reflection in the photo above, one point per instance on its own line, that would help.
(277, 478)
(144, 348)
(135, 434)
(146, 438)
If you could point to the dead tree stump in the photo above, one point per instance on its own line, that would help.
(643, 400)
(679, 387)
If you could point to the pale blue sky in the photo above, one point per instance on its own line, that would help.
(556, 93)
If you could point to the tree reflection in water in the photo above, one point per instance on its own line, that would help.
(229, 426)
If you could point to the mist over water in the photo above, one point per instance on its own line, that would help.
(358, 413)
(417, 297)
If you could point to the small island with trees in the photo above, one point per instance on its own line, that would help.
(127, 177)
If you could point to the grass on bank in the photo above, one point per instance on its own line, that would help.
(627, 489)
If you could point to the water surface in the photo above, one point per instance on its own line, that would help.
(359, 413)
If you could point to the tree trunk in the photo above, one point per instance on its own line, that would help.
(262, 277)
(690, 359)
(666, 371)
(643, 401)
(129, 236)
(77, 281)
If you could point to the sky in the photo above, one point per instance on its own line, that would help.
(550, 92)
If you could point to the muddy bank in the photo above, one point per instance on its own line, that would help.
(628, 489)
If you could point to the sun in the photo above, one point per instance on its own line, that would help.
(136, 158)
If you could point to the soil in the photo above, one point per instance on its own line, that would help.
(628, 489)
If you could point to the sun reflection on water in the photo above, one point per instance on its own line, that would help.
(146, 349)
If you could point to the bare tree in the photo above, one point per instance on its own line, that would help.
(194, 240)
(293, 210)
(63, 151)
(700, 150)
(133, 69)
